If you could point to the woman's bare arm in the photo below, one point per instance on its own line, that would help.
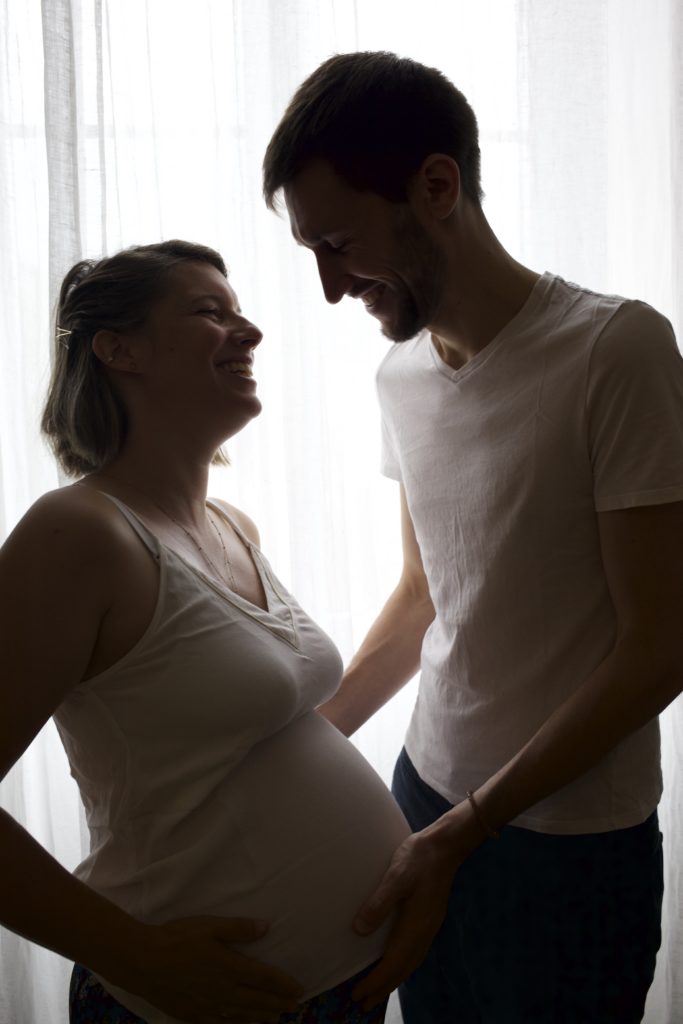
(54, 594)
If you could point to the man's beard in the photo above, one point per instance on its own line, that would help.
(425, 271)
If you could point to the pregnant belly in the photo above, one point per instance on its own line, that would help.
(317, 828)
(299, 835)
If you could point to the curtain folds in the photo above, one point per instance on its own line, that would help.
(63, 143)
(128, 121)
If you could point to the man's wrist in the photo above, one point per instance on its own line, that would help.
(456, 834)
(489, 831)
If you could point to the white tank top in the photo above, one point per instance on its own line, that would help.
(212, 786)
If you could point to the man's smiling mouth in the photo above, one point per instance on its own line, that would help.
(372, 295)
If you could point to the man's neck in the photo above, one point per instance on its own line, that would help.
(488, 288)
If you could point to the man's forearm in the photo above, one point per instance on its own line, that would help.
(386, 660)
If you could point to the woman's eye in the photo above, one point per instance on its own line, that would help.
(210, 309)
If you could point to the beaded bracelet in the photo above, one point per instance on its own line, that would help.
(490, 832)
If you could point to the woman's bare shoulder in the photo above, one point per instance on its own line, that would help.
(73, 522)
(57, 584)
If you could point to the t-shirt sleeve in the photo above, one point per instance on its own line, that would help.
(635, 411)
(389, 463)
(388, 460)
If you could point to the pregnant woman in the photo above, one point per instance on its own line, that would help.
(234, 832)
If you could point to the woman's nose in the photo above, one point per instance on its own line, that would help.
(250, 335)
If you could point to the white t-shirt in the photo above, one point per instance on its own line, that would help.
(575, 408)
(212, 786)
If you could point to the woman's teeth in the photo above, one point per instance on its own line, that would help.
(243, 368)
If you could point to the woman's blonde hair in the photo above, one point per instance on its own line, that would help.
(83, 419)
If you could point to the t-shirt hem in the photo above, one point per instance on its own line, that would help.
(586, 826)
(638, 499)
(554, 826)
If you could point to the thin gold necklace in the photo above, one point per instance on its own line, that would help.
(226, 557)
(191, 536)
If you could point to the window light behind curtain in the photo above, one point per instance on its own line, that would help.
(129, 121)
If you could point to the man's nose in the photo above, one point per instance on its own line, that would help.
(334, 280)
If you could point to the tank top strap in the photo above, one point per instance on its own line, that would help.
(146, 536)
(219, 507)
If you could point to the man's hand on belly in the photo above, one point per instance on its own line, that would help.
(417, 885)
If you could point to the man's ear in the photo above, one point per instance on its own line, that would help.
(436, 186)
(115, 350)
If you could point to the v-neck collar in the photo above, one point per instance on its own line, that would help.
(278, 615)
(282, 625)
(513, 326)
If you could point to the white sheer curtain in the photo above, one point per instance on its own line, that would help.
(127, 121)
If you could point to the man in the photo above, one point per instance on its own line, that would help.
(536, 430)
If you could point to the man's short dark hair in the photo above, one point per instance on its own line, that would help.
(374, 117)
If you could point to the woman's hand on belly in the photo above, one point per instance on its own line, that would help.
(188, 969)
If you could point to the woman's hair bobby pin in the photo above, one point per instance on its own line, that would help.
(62, 334)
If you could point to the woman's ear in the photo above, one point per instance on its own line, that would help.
(115, 351)
(436, 186)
